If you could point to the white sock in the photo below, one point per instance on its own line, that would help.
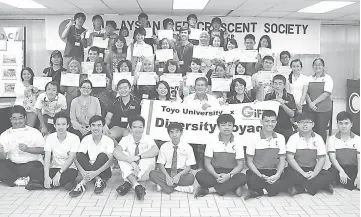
(135, 184)
(265, 191)
(212, 190)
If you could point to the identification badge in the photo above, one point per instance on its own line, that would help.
(50, 121)
(145, 96)
(181, 62)
(124, 119)
(132, 107)
(77, 44)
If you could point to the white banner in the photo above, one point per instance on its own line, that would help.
(295, 36)
(199, 124)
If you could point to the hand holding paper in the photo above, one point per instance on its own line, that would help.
(87, 67)
(122, 75)
(164, 55)
(191, 78)
(100, 42)
(70, 80)
(98, 80)
(165, 34)
(40, 82)
(146, 78)
(221, 84)
(172, 79)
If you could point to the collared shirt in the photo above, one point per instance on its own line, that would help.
(194, 100)
(185, 155)
(346, 151)
(12, 138)
(283, 120)
(60, 150)
(185, 53)
(51, 107)
(306, 152)
(265, 152)
(296, 87)
(324, 78)
(128, 144)
(122, 113)
(87, 145)
(319, 85)
(234, 100)
(225, 155)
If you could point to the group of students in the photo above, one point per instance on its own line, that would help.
(265, 153)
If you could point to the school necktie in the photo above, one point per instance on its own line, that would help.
(136, 152)
(173, 170)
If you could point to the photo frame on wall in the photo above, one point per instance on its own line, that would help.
(9, 59)
(7, 88)
(8, 73)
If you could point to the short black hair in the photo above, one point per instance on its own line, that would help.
(143, 15)
(141, 31)
(192, 16)
(94, 48)
(305, 116)
(344, 116)
(250, 36)
(54, 84)
(98, 17)
(279, 77)
(268, 58)
(320, 59)
(201, 79)
(96, 118)
(136, 118)
(225, 118)
(198, 61)
(285, 53)
(112, 23)
(18, 109)
(129, 64)
(268, 113)
(166, 21)
(216, 20)
(86, 82)
(123, 81)
(79, 14)
(62, 114)
(171, 62)
(185, 28)
(175, 125)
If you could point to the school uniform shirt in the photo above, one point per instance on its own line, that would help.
(25, 97)
(185, 155)
(265, 152)
(297, 85)
(48, 107)
(87, 145)
(74, 47)
(128, 144)
(225, 155)
(122, 113)
(54, 74)
(193, 99)
(283, 120)
(346, 151)
(12, 138)
(306, 153)
(60, 150)
(318, 86)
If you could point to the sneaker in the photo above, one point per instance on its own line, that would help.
(77, 191)
(185, 189)
(239, 191)
(159, 188)
(69, 185)
(124, 188)
(140, 192)
(99, 186)
(22, 181)
(253, 194)
(201, 192)
(34, 185)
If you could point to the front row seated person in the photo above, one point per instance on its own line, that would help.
(344, 152)
(136, 154)
(21, 147)
(94, 158)
(306, 155)
(223, 162)
(174, 163)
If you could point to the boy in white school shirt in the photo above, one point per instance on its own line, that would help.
(136, 157)
(94, 158)
(174, 162)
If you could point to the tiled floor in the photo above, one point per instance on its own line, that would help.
(19, 202)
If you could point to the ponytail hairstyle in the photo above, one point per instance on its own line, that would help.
(291, 74)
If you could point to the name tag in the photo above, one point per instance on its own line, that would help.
(132, 107)
(181, 62)
(77, 44)
(145, 96)
(124, 119)
(50, 121)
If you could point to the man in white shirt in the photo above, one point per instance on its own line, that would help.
(174, 163)
(200, 96)
(20, 151)
(136, 156)
(60, 150)
(94, 158)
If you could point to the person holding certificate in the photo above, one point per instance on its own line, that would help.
(26, 95)
(145, 91)
(238, 92)
(144, 23)
(249, 42)
(98, 30)
(56, 67)
(216, 30)
(192, 24)
(261, 81)
(83, 108)
(93, 54)
(165, 43)
(72, 92)
(187, 86)
(110, 27)
(220, 72)
(117, 53)
(264, 42)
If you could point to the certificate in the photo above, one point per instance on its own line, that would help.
(165, 34)
(195, 34)
(247, 79)
(164, 55)
(87, 68)
(146, 78)
(40, 82)
(215, 53)
(232, 55)
(100, 42)
(149, 32)
(249, 56)
(284, 70)
(142, 51)
(122, 75)
(172, 79)
(191, 78)
(129, 40)
(265, 52)
(200, 52)
(221, 84)
(70, 80)
(98, 80)
(265, 76)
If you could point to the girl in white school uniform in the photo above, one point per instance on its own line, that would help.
(98, 29)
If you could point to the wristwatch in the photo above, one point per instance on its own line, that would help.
(230, 175)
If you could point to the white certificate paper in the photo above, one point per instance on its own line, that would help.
(98, 80)
(215, 53)
(195, 34)
(122, 75)
(247, 79)
(284, 70)
(249, 56)
(191, 78)
(265, 76)
(129, 40)
(149, 32)
(70, 80)
(164, 55)
(221, 84)
(146, 78)
(142, 51)
(87, 67)
(172, 79)
(200, 52)
(165, 34)
(40, 82)
(100, 42)
(265, 52)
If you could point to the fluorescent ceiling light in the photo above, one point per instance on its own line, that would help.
(325, 6)
(190, 4)
(22, 3)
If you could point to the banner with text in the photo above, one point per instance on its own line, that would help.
(199, 124)
(296, 36)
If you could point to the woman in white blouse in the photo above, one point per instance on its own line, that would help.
(26, 95)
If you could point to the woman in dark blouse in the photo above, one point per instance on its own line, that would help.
(238, 92)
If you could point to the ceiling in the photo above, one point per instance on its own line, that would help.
(231, 8)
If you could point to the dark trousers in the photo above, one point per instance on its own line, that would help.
(206, 180)
(255, 183)
(68, 175)
(159, 178)
(10, 171)
(321, 181)
(321, 121)
(350, 170)
(83, 160)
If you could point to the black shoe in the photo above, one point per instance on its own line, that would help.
(253, 194)
(77, 191)
(201, 192)
(298, 190)
(69, 185)
(99, 186)
(124, 188)
(329, 188)
(140, 192)
(34, 185)
(292, 191)
(8, 183)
